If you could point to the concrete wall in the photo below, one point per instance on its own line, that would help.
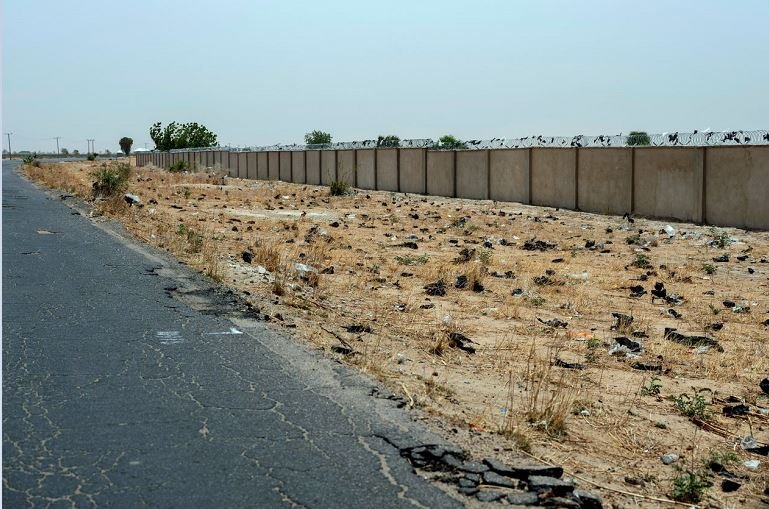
(261, 165)
(473, 174)
(737, 186)
(554, 177)
(327, 167)
(345, 166)
(509, 175)
(412, 170)
(312, 167)
(285, 166)
(720, 185)
(366, 170)
(273, 165)
(605, 180)
(299, 175)
(242, 165)
(251, 162)
(440, 173)
(387, 169)
(668, 182)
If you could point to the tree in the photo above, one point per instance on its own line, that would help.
(388, 141)
(317, 138)
(76, 152)
(638, 138)
(189, 135)
(125, 144)
(64, 152)
(449, 142)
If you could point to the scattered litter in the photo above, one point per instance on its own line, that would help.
(742, 309)
(538, 245)
(621, 321)
(670, 231)
(646, 367)
(764, 385)
(232, 332)
(554, 322)
(735, 410)
(721, 259)
(584, 335)
(247, 256)
(637, 291)
(751, 465)
(302, 269)
(132, 199)
(669, 458)
(692, 341)
(568, 365)
(675, 314)
(628, 343)
(579, 276)
(436, 289)
(465, 255)
(460, 282)
(459, 340)
(357, 328)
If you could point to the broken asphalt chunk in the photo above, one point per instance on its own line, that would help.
(522, 471)
(495, 479)
(551, 484)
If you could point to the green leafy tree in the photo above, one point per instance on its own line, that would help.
(76, 152)
(449, 142)
(317, 138)
(388, 141)
(638, 138)
(64, 152)
(125, 144)
(189, 135)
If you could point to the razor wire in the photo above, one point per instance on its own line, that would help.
(674, 139)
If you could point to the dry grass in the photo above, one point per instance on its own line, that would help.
(509, 394)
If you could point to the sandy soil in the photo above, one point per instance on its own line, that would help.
(486, 363)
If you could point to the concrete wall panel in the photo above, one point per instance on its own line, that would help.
(346, 166)
(509, 175)
(285, 166)
(261, 165)
(312, 167)
(273, 165)
(737, 186)
(366, 176)
(553, 177)
(327, 167)
(440, 173)
(387, 169)
(242, 162)
(218, 160)
(251, 165)
(605, 180)
(668, 182)
(473, 174)
(412, 168)
(297, 164)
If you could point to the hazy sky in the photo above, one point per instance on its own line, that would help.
(258, 73)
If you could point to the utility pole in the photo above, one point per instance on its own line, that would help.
(10, 152)
(90, 144)
(57, 144)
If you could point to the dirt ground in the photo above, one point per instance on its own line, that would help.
(516, 353)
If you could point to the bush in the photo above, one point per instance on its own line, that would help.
(111, 179)
(339, 188)
(689, 487)
(450, 142)
(638, 138)
(179, 166)
(189, 135)
(388, 141)
(125, 144)
(317, 138)
(29, 159)
(91, 157)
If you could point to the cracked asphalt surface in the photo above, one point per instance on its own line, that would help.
(118, 394)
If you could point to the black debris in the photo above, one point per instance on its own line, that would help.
(628, 343)
(554, 322)
(735, 410)
(723, 258)
(659, 291)
(437, 288)
(477, 286)
(328, 270)
(646, 367)
(538, 245)
(675, 314)
(672, 335)
(621, 321)
(715, 326)
(637, 291)
(728, 486)
(247, 256)
(460, 282)
(729, 304)
(410, 245)
(459, 340)
(568, 365)
(357, 328)
(764, 385)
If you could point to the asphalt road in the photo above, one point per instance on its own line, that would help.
(128, 381)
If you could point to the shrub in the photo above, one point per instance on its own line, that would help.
(689, 487)
(636, 138)
(179, 166)
(388, 141)
(317, 137)
(691, 406)
(339, 188)
(91, 157)
(450, 142)
(189, 135)
(111, 179)
(29, 159)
